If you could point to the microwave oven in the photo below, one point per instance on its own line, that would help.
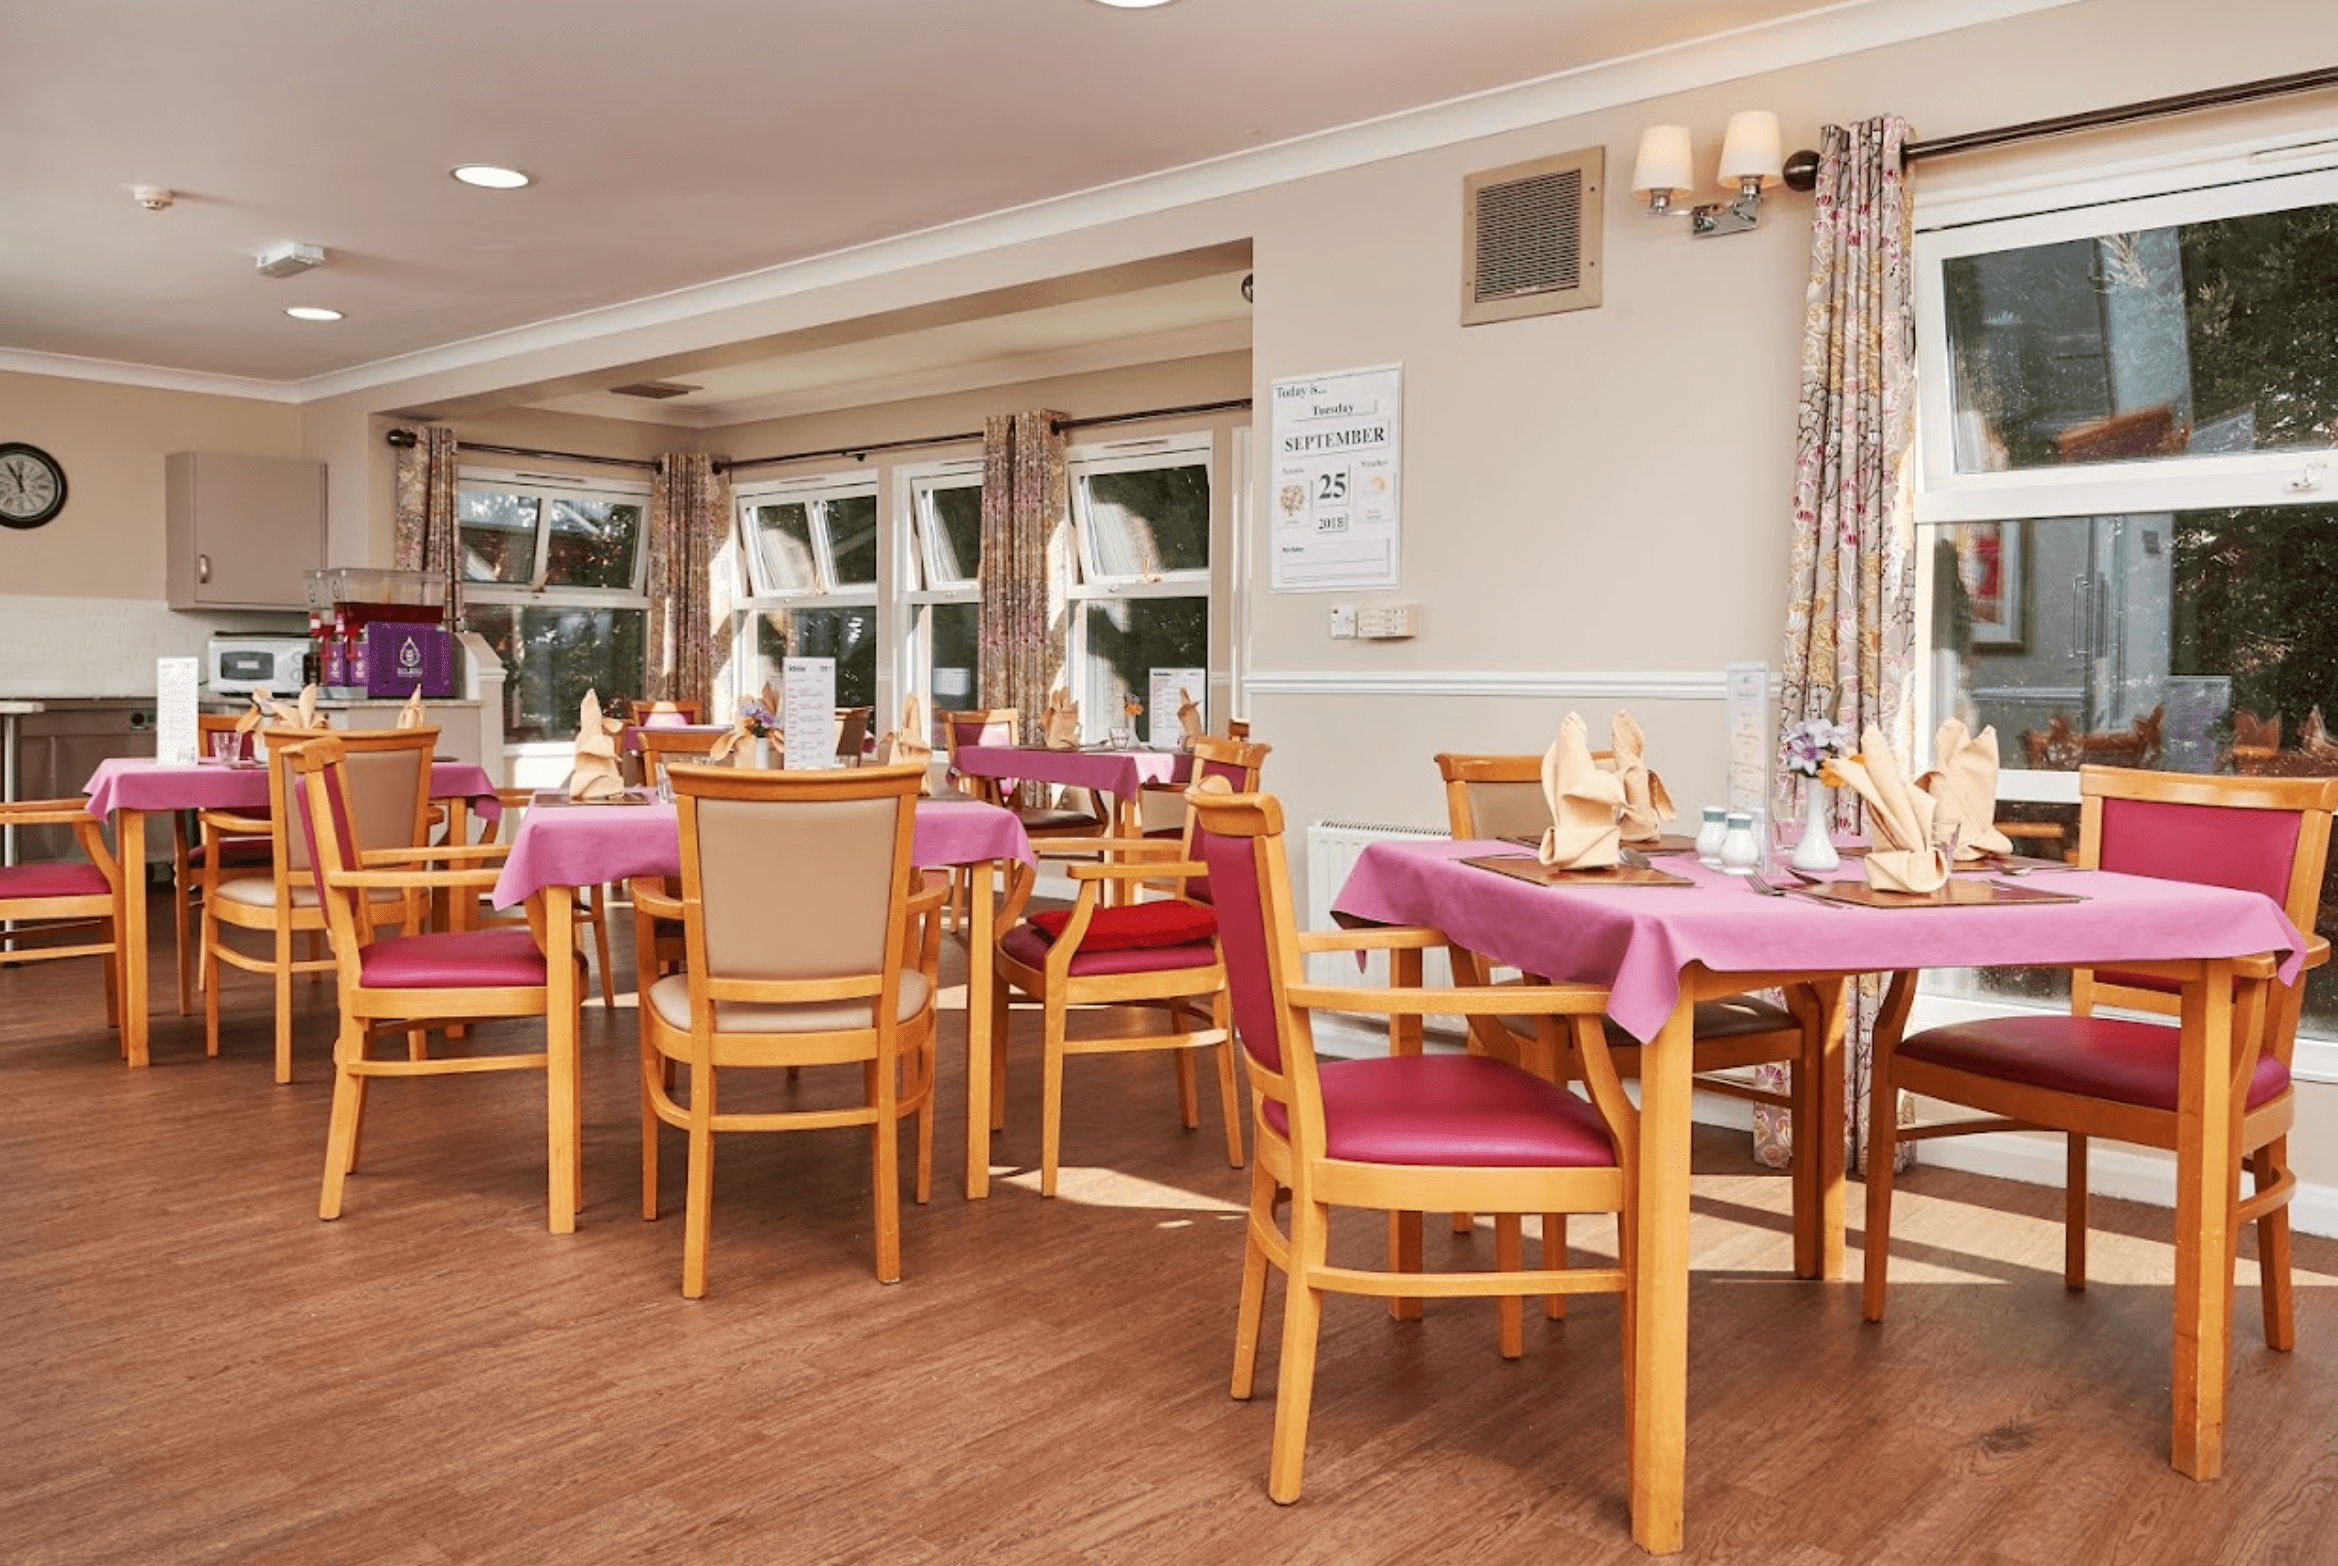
(238, 665)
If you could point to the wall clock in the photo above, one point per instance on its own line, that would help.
(32, 485)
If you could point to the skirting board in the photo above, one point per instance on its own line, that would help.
(2115, 1173)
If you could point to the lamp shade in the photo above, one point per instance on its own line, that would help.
(1664, 162)
(1750, 149)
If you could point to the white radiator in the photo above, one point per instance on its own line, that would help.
(1333, 847)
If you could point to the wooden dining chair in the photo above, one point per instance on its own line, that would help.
(592, 902)
(389, 772)
(1154, 956)
(2092, 1076)
(1237, 761)
(852, 733)
(247, 854)
(667, 714)
(1501, 797)
(1398, 1133)
(775, 978)
(674, 746)
(411, 982)
(66, 897)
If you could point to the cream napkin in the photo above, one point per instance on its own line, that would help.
(300, 715)
(1062, 721)
(738, 744)
(411, 715)
(1583, 799)
(907, 745)
(262, 701)
(1899, 818)
(1189, 722)
(1966, 778)
(1646, 804)
(595, 774)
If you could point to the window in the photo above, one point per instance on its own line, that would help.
(1141, 521)
(812, 581)
(943, 545)
(2127, 509)
(553, 573)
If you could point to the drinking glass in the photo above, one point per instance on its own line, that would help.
(1118, 734)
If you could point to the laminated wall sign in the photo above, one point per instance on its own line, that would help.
(1334, 499)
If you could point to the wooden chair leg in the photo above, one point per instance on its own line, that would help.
(283, 978)
(652, 1069)
(1883, 1145)
(698, 1204)
(1510, 1256)
(1002, 1007)
(210, 983)
(2074, 1204)
(1302, 1324)
(1463, 1223)
(1229, 1095)
(1188, 1100)
(1251, 1311)
(1404, 1255)
(602, 897)
(341, 1132)
(2266, 1167)
(1051, 1096)
(1554, 1258)
(885, 1153)
(182, 910)
(112, 974)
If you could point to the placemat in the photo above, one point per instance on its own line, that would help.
(1522, 867)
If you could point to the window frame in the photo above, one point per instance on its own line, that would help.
(913, 531)
(754, 599)
(1197, 448)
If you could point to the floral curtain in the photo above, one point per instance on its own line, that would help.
(1851, 588)
(1026, 565)
(692, 577)
(424, 508)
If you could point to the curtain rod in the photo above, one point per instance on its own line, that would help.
(865, 448)
(2122, 114)
(405, 440)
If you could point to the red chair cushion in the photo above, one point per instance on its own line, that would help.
(452, 959)
(1138, 924)
(2099, 1057)
(71, 879)
(1028, 946)
(1466, 1111)
(236, 852)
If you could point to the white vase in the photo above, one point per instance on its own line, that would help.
(763, 751)
(1815, 849)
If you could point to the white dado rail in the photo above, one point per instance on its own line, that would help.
(1602, 684)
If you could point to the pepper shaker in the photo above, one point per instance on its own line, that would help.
(1710, 832)
(1740, 854)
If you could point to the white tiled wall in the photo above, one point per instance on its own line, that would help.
(106, 646)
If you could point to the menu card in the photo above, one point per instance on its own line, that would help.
(175, 683)
(1161, 729)
(808, 692)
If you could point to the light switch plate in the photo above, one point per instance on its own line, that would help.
(1343, 621)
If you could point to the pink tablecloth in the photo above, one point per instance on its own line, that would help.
(140, 783)
(1636, 941)
(1121, 772)
(585, 845)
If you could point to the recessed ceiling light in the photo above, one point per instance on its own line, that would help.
(490, 176)
(311, 313)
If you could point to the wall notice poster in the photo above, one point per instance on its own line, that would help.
(808, 695)
(175, 681)
(1334, 497)
(1165, 691)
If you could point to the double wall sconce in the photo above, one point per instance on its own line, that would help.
(1750, 164)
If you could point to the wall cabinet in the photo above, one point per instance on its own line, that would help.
(242, 532)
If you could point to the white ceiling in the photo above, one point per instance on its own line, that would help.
(673, 144)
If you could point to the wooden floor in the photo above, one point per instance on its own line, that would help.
(193, 1368)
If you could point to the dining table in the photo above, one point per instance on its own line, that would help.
(1120, 774)
(127, 790)
(562, 845)
(1659, 949)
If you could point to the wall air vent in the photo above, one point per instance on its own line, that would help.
(654, 391)
(1530, 238)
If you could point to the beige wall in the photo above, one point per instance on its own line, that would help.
(108, 541)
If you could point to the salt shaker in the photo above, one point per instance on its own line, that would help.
(1740, 854)
(1710, 832)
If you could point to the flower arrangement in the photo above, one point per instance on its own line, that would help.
(760, 717)
(1133, 708)
(1814, 742)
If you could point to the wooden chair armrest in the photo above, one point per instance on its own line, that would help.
(1150, 871)
(921, 904)
(2265, 965)
(436, 851)
(229, 821)
(649, 896)
(51, 812)
(1133, 847)
(1392, 937)
(1547, 1000)
(412, 880)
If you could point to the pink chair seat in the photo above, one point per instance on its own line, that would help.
(1029, 946)
(64, 880)
(1464, 1111)
(452, 959)
(2100, 1057)
(1051, 819)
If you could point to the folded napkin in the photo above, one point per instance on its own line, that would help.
(1646, 804)
(411, 716)
(261, 702)
(299, 715)
(1899, 818)
(595, 774)
(1583, 799)
(1061, 721)
(735, 745)
(1966, 779)
(908, 744)
(1189, 721)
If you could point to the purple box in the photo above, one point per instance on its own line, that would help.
(398, 655)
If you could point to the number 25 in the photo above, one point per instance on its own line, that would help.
(1331, 486)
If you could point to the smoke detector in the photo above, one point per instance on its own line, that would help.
(290, 260)
(153, 197)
